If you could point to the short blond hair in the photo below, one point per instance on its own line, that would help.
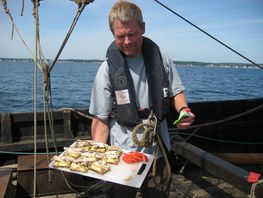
(125, 12)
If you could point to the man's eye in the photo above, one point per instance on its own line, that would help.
(119, 37)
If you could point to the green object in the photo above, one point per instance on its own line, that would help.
(183, 114)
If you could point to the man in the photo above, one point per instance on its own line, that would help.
(137, 77)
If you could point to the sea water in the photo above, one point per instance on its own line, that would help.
(71, 84)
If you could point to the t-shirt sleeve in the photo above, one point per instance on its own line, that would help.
(175, 84)
(101, 98)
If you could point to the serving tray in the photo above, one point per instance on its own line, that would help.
(123, 173)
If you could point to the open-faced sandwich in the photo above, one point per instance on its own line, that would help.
(111, 157)
(116, 149)
(100, 167)
(62, 162)
(98, 147)
(91, 156)
(79, 167)
(84, 144)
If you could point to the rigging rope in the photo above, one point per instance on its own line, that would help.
(14, 27)
(81, 6)
(216, 140)
(41, 62)
(47, 94)
(23, 6)
(259, 66)
(253, 188)
(257, 108)
(35, 96)
(174, 132)
(77, 112)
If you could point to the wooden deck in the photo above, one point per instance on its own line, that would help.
(7, 190)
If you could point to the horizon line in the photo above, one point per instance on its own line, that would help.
(101, 60)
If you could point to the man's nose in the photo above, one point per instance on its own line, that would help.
(127, 40)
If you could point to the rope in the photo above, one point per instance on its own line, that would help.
(75, 20)
(24, 153)
(257, 108)
(174, 132)
(18, 32)
(216, 140)
(14, 27)
(154, 162)
(47, 94)
(45, 99)
(169, 172)
(77, 112)
(47, 85)
(147, 139)
(83, 2)
(49, 111)
(261, 67)
(23, 6)
(41, 62)
(253, 189)
(35, 101)
(39, 57)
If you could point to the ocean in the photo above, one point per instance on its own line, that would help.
(71, 84)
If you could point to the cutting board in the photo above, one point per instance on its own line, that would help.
(127, 174)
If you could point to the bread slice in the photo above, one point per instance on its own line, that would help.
(116, 149)
(78, 167)
(100, 167)
(62, 164)
(98, 147)
(111, 157)
(85, 144)
(90, 156)
(72, 154)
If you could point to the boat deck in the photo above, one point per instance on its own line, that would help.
(193, 182)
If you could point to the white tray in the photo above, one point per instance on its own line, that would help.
(122, 173)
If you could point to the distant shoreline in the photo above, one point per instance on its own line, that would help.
(178, 63)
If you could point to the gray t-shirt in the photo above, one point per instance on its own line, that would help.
(101, 100)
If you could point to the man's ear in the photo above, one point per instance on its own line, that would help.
(143, 28)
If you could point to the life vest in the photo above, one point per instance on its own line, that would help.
(124, 107)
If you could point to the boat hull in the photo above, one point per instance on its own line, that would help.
(240, 135)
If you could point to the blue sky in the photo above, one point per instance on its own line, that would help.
(238, 23)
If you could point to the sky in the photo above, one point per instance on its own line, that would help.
(237, 23)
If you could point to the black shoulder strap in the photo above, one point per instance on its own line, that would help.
(121, 82)
(159, 82)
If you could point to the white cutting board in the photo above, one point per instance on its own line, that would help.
(122, 173)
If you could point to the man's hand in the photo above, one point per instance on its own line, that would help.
(186, 118)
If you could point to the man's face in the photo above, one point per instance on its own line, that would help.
(128, 37)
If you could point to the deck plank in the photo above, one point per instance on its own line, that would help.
(5, 181)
